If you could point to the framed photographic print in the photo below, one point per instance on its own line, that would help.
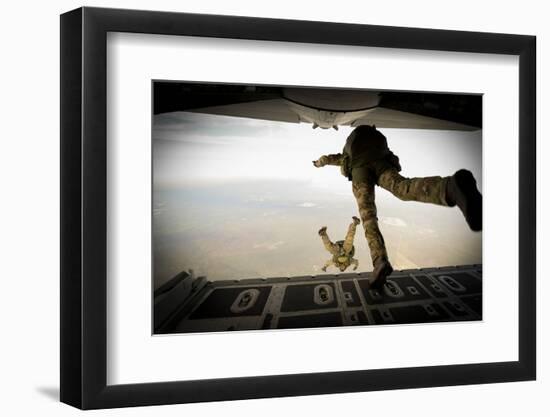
(241, 196)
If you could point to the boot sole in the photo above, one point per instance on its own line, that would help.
(382, 278)
(470, 200)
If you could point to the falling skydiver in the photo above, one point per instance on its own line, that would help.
(367, 161)
(342, 251)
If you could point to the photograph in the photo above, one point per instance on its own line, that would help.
(288, 207)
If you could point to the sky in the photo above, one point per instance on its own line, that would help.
(239, 198)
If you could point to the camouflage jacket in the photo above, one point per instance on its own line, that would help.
(364, 171)
(364, 147)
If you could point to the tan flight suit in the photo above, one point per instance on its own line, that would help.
(342, 251)
(384, 172)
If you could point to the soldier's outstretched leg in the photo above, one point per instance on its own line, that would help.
(459, 189)
(328, 263)
(326, 241)
(427, 189)
(348, 241)
(364, 194)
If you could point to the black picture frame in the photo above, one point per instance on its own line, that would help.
(84, 207)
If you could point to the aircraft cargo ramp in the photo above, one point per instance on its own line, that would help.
(188, 304)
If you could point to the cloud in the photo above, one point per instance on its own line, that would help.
(393, 221)
(307, 204)
(268, 245)
(425, 231)
(160, 207)
(181, 126)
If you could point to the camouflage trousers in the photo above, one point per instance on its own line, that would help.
(426, 190)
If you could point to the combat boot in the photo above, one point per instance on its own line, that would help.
(382, 269)
(462, 191)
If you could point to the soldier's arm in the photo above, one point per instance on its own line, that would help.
(333, 159)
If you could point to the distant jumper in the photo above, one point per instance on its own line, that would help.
(367, 161)
(342, 251)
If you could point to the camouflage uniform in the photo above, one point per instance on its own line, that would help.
(342, 251)
(384, 172)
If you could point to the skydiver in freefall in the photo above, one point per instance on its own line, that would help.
(342, 251)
